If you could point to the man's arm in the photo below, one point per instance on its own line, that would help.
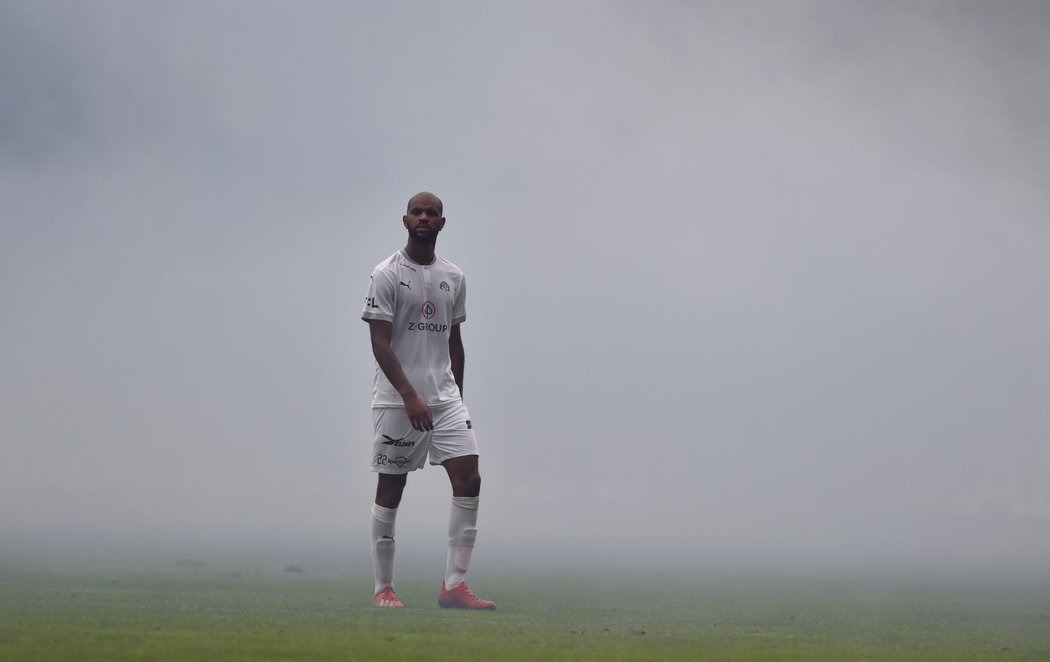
(455, 352)
(417, 410)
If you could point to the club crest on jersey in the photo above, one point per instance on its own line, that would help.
(444, 287)
(429, 310)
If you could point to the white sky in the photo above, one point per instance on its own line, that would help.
(756, 278)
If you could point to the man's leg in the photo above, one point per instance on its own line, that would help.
(462, 532)
(384, 511)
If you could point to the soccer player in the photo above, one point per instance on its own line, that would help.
(415, 304)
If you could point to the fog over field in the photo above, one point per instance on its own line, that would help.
(747, 280)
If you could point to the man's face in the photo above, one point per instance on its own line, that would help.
(424, 219)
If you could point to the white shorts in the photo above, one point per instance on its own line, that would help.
(399, 448)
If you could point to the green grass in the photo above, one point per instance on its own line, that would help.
(200, 615)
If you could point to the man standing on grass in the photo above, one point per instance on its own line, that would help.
(415, 304)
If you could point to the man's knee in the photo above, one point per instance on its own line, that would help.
(467, 484)
(464, 476)
(389, 489)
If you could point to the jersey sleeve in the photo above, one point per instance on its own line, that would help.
(379, 303)
(459, 305)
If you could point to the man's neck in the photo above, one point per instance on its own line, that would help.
(421, 252)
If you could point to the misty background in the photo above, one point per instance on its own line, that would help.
(763, 280)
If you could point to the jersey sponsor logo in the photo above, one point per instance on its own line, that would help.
(428, 310)
(371, 302)
(444, 287)
(427, 326)
(390, 441)
(408, 284)
(382, 459)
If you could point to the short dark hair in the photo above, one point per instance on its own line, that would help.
(441, 205)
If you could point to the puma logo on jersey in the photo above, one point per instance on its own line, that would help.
(408, 285)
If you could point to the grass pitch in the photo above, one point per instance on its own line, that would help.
(201, 615)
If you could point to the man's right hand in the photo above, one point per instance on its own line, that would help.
(417, 410)
(418, 413)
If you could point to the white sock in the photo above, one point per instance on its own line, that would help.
(462, 532)
(383, 545)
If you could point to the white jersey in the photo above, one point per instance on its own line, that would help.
(422, 302)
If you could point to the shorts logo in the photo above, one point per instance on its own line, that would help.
(469, 425)
(444, 286)
(390, 441)
(429, 310)
(400, 461)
